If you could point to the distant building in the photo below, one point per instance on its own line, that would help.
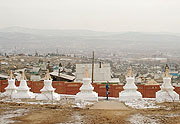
(35, 70)
(102, 72)
(35, 78)
(152, 82)
(174, 74)
(162, 60)
(56, 76)
(3, 77)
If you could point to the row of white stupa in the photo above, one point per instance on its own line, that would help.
(47, 92)
(166, 94)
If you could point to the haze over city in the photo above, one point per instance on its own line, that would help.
(97, 15)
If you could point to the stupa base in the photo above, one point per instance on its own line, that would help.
(23, 95)
(93, 96)
(9, 92)
(48, 96)
(129, 96)
(166, 96)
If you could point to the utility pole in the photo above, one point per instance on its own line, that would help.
(0, 65)
(93, 68)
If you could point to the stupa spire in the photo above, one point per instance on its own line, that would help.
(23, 77)
(130, 72)
(86, 73)
(47, 76)
(166, 74)
(11, 76)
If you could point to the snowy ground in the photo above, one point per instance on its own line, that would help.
(137, 118)
(137, 104)
(65, 99)
(141, 119)
(5, 117)
(142, 103)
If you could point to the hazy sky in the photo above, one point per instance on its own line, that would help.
(100, 15)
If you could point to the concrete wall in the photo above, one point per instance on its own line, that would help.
(147, 91)
(100, 74)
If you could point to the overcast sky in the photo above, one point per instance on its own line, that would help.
(99, 15)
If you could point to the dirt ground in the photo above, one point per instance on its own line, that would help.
(57, 114)
(60, 114)
(169, 113)
(109, 105)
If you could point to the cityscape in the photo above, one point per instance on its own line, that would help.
(35, 66)
(89, 62)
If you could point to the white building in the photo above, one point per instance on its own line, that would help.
(35, 78)
(102, 72)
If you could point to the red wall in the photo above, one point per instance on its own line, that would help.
(147, 91)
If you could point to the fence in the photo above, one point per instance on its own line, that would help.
(147, 91)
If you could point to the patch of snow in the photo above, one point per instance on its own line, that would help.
(169, 115)
(67, 96)
(82, 104)
(168, 109)
(137, 104)
(140, 119)
(5, 118)
(142, 103)
(172, 115)
(65, 100)
(76, 119)
(110, 98)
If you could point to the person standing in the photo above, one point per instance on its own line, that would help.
(107, 90)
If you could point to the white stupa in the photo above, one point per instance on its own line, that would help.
(23, 89)
(86, 90)
(167, 93)
(11, 88)
(47, 92)
(130, 89)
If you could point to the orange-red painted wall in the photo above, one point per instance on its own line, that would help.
(147, 91)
